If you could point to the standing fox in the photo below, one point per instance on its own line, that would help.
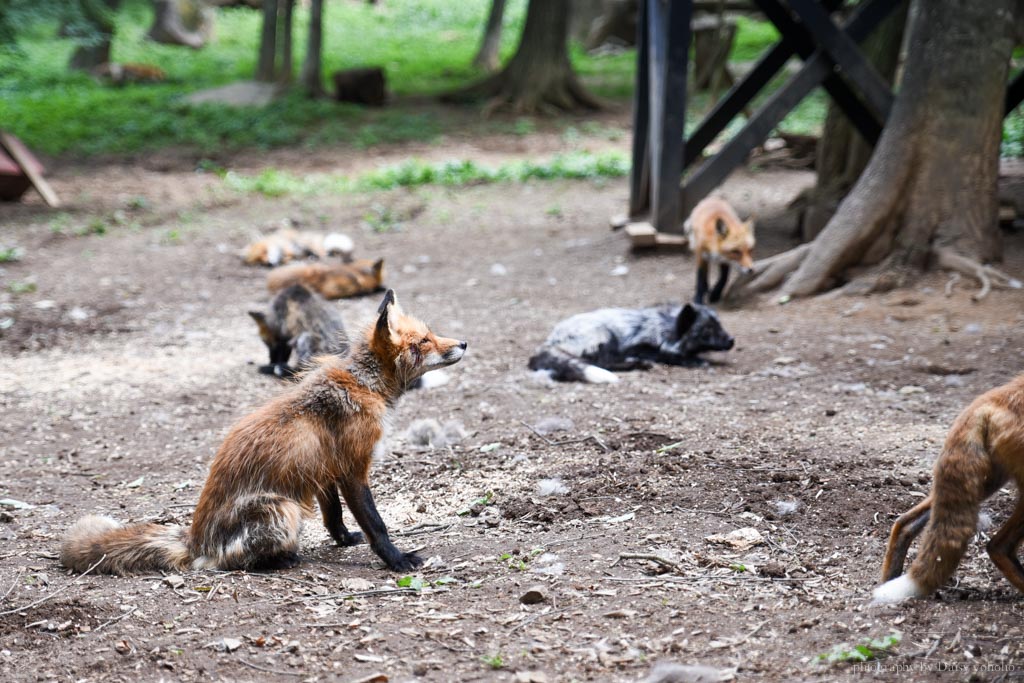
(316, 438)
(331, 280)
(984, 450)
(300, 320)
(717, 235)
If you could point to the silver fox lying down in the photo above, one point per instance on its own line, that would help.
(585, 347)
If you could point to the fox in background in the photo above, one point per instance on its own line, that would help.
(313, 440)
(984, 450)
(331, 280)
(717, 235)
(587, 346)
(301, 321)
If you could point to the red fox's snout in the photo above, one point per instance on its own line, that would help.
(449, 352)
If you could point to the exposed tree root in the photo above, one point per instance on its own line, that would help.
(772, 272)
(986, 275)
(540, 95)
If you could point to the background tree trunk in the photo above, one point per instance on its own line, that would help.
(539, 76)
(181, 22)
(286, 13)
(842, 153)
(931, 184)
(99, 15)
(487, 56)
(311, 75)
(268, 43)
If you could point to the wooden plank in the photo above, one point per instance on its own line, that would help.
(640, 171)
(643, 235)
(741, 94)
(713, 171)
(14, 150)
(669, 45)
(847, 55)
(869, 14)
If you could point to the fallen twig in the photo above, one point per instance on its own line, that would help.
(54, 593)
(14, 584)
(108, 622)
(424, 528)
(650, 557)
(566, 442)
(535, 617)
(268, 671)
(346, 596)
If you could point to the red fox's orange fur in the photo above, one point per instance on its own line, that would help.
(984, 450)
(330, 280)
(717, 235)
(303, 446)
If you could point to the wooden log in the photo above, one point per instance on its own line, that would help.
(365, 85)
(31, 169)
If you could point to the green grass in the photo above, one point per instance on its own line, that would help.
(412, 173)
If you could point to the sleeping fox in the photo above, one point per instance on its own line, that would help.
(331, 280)
(717, 235)
(286, 245)
(585, 347)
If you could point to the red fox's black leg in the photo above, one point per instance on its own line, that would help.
(702, 284)
(1003, 546)
(330, 509)
(723, 275)
(360, 502)
(904, 531)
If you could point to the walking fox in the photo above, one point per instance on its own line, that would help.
(315, 439)
(717, 235)
(331, 280)
(301, 321)
(984, 450)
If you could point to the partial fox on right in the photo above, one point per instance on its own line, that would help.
(983, 451)
(717, 235)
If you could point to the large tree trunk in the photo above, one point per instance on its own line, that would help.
(539, 77)
(842, 153)
(99, 15)
(311, 76)
(930, 186)
(181, 22)
(487, 56)
(284, 29)
(265, 69)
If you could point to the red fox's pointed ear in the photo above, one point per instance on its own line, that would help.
(261, 320)
(384, 313)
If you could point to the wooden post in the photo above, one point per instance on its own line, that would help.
(640, 170)
(668, 30)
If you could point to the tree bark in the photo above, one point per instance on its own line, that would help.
(181, 22)
(931, 183)
(539, 77)
(311, 75)
(286, 13)
(265, 70)
(842, 153)
(99, 15)
(487, 56)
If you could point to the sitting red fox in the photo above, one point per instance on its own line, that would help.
(984, 449)
(313, 440)
(717, 235)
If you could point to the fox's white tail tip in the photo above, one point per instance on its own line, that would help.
(897, 590)
(336, 243)
(596, 375)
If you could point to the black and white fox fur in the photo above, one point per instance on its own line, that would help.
(585, 347)
(300, 320)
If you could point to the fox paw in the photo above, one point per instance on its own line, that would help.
(405, 561)
(350, 538)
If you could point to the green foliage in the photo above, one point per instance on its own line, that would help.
(495, 661)
(21, 287)
(868, 650)
(11, 254)
(581, 165)
(414, 582)
(753, 37)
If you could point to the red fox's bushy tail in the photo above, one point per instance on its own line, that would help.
(116, 549)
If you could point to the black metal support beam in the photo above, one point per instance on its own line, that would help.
(817, 69)
(847, 56)
(668, 32)
(640, 171)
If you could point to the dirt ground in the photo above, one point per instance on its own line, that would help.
(133, 354)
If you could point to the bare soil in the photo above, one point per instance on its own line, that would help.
(133, 355)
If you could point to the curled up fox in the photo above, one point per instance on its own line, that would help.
(983, 451)
(315, 439)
